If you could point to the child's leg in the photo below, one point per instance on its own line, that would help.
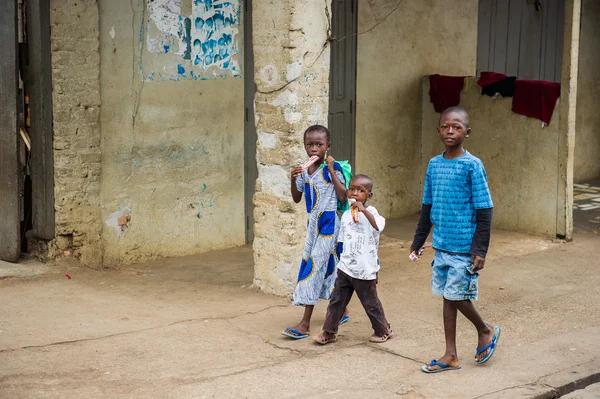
(485, 331)
(342, 293)
(450, 356)
(367, 293)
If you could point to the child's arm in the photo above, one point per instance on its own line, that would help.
(424, 225)
(370, 217)
(296, 194)
(423, 229)
(340, 188)
(481, 238)
(482, 202)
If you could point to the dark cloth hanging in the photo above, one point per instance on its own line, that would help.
(444, 91)
(535, 98)
(487, 78)
(504, 87)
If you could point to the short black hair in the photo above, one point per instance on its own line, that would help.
(458, 110)
(318, 128)
(368, 180)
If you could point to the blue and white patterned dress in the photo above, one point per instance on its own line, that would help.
(317, 269)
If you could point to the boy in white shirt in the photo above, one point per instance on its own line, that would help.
(358, 242)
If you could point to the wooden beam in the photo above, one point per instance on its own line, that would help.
(40, 94)
(10, 202)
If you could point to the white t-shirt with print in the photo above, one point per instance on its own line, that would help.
(359, 257)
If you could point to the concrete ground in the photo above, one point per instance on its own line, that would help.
(194, 327)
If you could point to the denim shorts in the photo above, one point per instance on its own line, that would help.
(453, 278)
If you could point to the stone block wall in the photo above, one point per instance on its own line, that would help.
(77, 158)
(292, 78)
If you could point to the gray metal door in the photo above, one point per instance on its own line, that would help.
(250, 168)
(521, 38)
(10, 176)
(342, 79)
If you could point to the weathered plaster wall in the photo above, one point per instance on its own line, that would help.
(172, 128)
(76, 100)
(520, 158)
(587, 139)
(419, 38)
(292, 75)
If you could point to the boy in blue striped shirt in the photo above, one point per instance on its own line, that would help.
(457, 202)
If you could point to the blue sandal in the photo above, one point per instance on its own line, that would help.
(344, 319)
(294, 334)
(491, 346)
(443, 367)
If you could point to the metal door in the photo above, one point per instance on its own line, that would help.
(521, 38)
(342, 79)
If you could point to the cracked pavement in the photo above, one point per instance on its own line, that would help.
(194, 327)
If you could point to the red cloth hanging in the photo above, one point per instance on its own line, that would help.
(535, 98)
(487, 78)
(444, 91)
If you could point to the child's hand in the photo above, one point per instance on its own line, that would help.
(358, 206)
(297, 171)
(414, 256)
(330, 161)
(477, 263)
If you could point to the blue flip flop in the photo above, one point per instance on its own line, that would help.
(294, 334)
(344, 319)
(491, 346)
(443, 367)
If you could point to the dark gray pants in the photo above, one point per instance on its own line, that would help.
(344, 288)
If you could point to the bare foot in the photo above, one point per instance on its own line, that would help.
(303, 327)
(484, 339)
(449, 360)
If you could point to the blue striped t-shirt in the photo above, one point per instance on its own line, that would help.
(455, 188)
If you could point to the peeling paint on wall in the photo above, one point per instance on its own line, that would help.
(198, 44)
(119, 220)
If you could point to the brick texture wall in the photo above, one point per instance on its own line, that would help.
(77, 157)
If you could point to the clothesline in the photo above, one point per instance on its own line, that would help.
(534, 98)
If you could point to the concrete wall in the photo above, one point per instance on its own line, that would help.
(292, 77)
(587, 139)
(76, 101)
(172, 129)
(419, 38)
(520, 158)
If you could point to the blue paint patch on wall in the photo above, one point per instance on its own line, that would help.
(208, 40)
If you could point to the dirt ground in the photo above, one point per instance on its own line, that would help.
(195, 327)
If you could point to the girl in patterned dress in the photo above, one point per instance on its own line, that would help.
(322, 188)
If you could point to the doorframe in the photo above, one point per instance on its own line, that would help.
(352, 103)
(250, 167)
(10, 200)
(39, 88)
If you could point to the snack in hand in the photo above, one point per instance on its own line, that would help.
(353, 210)
(309, 162)
(414, 257)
